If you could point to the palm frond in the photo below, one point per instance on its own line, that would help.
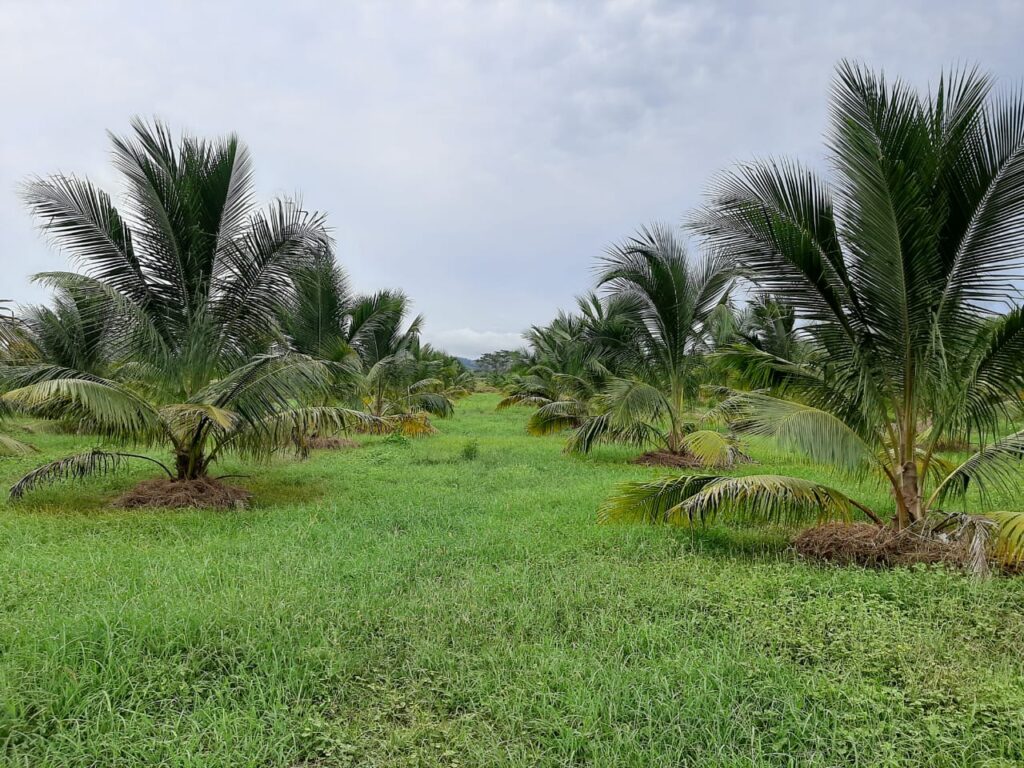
(555, 417)
(1009, 537)
(995, 467)
(712, 449)
(76, 467)
(259, 439)
(759, 499)
(103, 407)
(9, 446)
(817, 433)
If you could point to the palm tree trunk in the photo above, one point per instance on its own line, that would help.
(908, 504)
(189, 465)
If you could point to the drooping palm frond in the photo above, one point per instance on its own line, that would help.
(100, 406)
(9, 446)
(996, 466)
(434, 403)
(1009, 537)
(557, 416)
(76, 467)
(758, 499)
(261, 438)
(713, 450)
(657, 501)
(819, 434)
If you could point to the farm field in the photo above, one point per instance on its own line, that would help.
(427, 602)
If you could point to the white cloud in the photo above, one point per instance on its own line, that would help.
(478, 155)
(468, 342)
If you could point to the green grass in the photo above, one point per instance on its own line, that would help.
(414, 605)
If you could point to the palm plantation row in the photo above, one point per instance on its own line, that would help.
(868, 319)
(204, 324)
(882, 325)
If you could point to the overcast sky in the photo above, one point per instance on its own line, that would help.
(479, 156)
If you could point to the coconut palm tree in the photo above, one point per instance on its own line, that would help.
(575, 356)
(329, 321)
(660, 361)
(12, 345)
(900, 268)
(72, 332)
(189, 278)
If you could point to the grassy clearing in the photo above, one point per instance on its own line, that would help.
(413, 605)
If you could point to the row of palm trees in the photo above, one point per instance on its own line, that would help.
(203, 323)
(884, 326)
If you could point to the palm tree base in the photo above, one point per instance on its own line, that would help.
(201, 493)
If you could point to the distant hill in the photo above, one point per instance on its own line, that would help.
(471, 364)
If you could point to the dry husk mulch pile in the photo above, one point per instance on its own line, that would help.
(682, 460)
(666, 459)
(874, 546)
(204, 493)
(331, 443)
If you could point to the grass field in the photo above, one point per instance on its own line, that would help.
(408, 605)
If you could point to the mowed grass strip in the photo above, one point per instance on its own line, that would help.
(402, 604)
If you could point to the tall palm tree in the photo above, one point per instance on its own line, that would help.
(899, 266)
(661, 358)
(192, 278)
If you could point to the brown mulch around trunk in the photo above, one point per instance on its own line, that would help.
(331, 443)
(682, 460)
(204, 493)
(666, 459)
(875, 546)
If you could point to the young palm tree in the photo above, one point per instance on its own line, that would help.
(661, 359)
(189, 279)
(897, 268)
(72, 333)
(574, 356)
(328, 321)
(12, 345)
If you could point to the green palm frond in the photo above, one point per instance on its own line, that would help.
(185, 418)
(995, 467)
(712, 449)
(434, 403)
(103, 407)
(9, 446)
(259, 439)
(533, 401)
(555, 417)
(628, 402)
(821, 435)
(1009, 537)
(757, 499)
(657, 501)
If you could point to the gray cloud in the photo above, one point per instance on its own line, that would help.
(478, 155)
